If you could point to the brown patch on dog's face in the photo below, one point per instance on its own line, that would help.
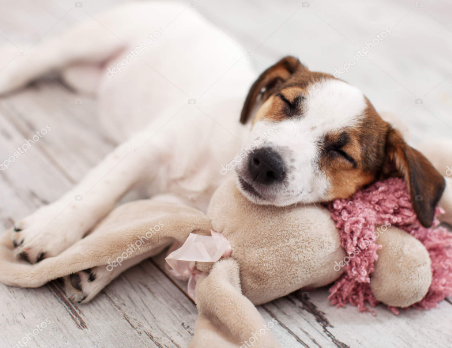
(328, 143)
(269, 83)
(286, 99)
(342, 163)
(354, 157)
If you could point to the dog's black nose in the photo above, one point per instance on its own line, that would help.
(266, 166)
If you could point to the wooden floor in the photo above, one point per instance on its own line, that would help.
(408, 73)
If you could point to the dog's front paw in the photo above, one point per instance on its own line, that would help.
(48, 232)
(82, 286)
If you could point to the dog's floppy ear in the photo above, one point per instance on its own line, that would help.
(268, 81)
(425, 184)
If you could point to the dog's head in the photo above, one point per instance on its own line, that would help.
(315, 138)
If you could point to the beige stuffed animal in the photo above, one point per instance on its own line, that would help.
(275, 251)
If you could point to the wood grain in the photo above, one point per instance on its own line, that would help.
(145, 307)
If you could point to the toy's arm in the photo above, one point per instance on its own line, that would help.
(128, 232)
(226, 317)
(403, 272)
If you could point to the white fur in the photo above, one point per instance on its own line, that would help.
(180, 146)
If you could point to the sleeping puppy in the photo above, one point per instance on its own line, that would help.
(169, 87)
(330, 142)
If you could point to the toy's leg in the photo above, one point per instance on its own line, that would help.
(83, 286)
(129, 234)
(402, 273)
(226, 317)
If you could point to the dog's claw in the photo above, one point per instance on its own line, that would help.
(92, 275)
(82, 299)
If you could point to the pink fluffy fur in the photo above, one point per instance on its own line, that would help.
(383, 203)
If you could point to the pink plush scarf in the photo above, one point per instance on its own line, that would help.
(385, 203)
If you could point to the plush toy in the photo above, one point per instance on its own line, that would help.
(370, 246)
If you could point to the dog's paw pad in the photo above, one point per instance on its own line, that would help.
(24, 256)
(82, 286)
(76, 281)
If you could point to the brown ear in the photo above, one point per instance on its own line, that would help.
(425, 184)
(268, 81)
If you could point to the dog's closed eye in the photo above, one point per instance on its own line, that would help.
(342, 153)
(335, 149)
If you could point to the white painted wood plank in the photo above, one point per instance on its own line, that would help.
(347, 326)
(142, 308)
(410, 63)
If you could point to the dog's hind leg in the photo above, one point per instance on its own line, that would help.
(92, 43)
(88, 44)
(83, 77)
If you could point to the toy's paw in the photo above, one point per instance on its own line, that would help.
(47, 232)
(14, 68)
(81, 287)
